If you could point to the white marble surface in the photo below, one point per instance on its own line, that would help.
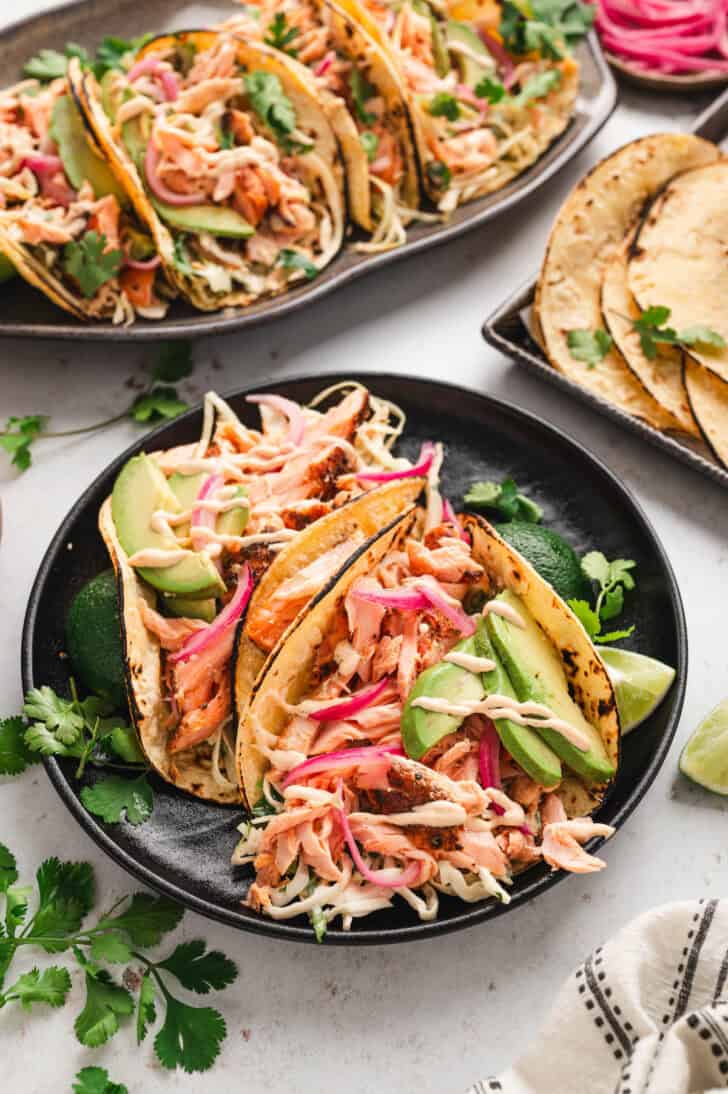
(429, 1017)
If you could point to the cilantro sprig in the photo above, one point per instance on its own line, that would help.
(88, 262)
(158, 402)
(589, 346)
(52, 919)
(614, 579)
(506, 498)
(444, 105)
(536, 87)
(280, 35)
(87, 731)
(548, 27)
(295, 260)
(51, 64)
(652, 329)
(361, 92)
(270, 102)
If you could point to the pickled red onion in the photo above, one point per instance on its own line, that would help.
(489, 760)
(289, 409)
(448, 514)
(340, 760)
(408, 876)
(202, 517)
(325, 63)
(151, 66)
(160, 189)
(667, 37)
(226, 620)
(438, 599)
(423, 465)
(137, 264)
(416, 598)
(345, 708)
(51, 177)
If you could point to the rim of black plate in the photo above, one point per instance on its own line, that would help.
(471, 914)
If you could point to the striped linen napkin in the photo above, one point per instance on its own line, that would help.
(647, 1013)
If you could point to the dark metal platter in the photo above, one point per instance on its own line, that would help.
(184, 849)
(506, 329)
(26, 313)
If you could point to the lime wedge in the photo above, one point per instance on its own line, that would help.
(705, 757)
(640, 684)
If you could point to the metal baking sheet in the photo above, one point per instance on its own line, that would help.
(507, 330)
(26, 313)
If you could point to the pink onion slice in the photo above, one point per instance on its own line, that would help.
(151, 66)
(499, 54)
(227, 618)
(51, 177)
(448, 514)
(341, 760)
(202, 517)
(160, 189)
(489, 760)
(325, 64)
(345, 708)
(138, 264)
(400, 599)
(465, 623)
(423, 465)
(408, 876)
(289, 409)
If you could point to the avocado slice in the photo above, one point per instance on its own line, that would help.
(7, 270)
(471, 71)
(80, 162)
(536, 672)
(218, 220)
(524, 744)
(233, 521)
(191, 608)
(439, 42)
(422, 729)
(134, 139)
(139, 491)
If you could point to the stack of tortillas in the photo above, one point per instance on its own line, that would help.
(648, 227)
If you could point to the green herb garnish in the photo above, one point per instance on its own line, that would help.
(505, 498)
(652, 331)
(370, 144)
(537, 87)
(280, 35)
(294, 260)
(95, 1080)
(613, 578)
(491, 90)
(89, 263)
(444, 105)
(439, 174)
(270, 102)
(49, 64)
(589, 346)
(361, 92)
(547, 27)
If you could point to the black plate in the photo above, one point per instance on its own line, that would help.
(184, 849)
(506, 329)
(24, 312)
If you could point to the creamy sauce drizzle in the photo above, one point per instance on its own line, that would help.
(497, 707)
(154, 558)
(469, 661)
(212, 537)
(435, 814)
(498, 607)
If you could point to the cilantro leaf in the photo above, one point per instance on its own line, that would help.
(16, 908)
(505, 498)
(147, 919)
(439, 174)
(51, 986)
(595, 566)
(19, 435)
(106, 1003)
(66, 895)
(370, 144)
(586, 615)
(112, 51)
(619, 570)
(547, 26)
(181, 258)
(49, 64)
(655, 316)
(8, 868)
(538, 86)
(294, 260)
(270, 102)
(124, 742)
(15, 755)
(7, 952)
(589, 346)
(614, 636)
(161, 403)
(58, 715)
(40, 739)
(190, 1037)
(95, 1080)
(361, 92)
(701, 335)
(613, 603)
(113, 795)
(280, 35)
(198, 969)
(174, 362)
(444, 105)
(89, 263)
(146, 1010)
(110, 947)
(318, 922)
(489, 89)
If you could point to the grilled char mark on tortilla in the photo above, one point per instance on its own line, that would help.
(708, 396)
(589, 230)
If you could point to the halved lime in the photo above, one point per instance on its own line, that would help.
(640, 684)
(705, 757)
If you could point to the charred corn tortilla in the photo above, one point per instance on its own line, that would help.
(317, 162)
(589, 231)
(708, 396)
(678, 259)
(662, 376)
(287, 677)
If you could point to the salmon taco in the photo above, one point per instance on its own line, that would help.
(436, 721)
(66, 224)
(364, 99)
(193, 531)
(228, 158)
(485, 105)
